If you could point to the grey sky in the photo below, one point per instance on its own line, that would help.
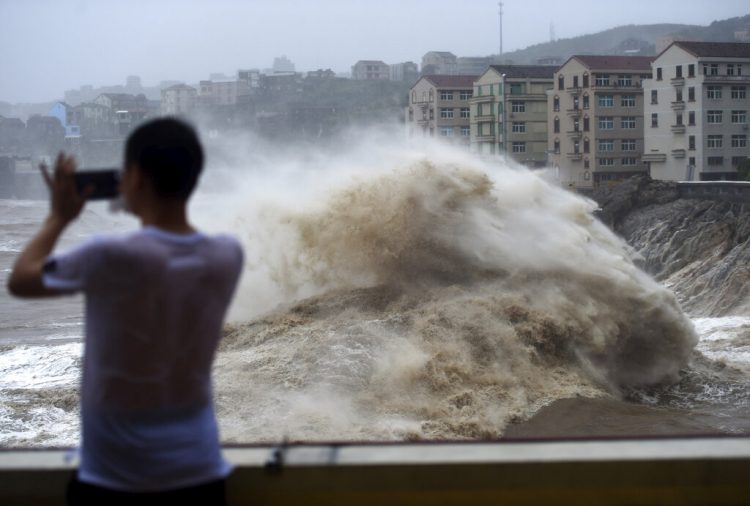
(48, 46)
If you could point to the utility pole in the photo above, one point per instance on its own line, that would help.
(500, 19)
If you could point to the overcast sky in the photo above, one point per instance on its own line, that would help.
(48, 46)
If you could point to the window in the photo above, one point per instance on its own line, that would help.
(557, 146)
(654, 119)
(678, 71)
(516, 89)
(585, 80)
(606, 146)
(678, 95)
(691, 70)
(629, 161)
(556, 103)
(678, 119)
(586, 165)
(446, 131)
(575, 81)
(465, 131)
(575, 103)
(739, 117)
(557, 125)
(739, 141)
(413, 97)
(730, 69)
(576, 125)
(606, 101)
(518, 107)
(446, 95)
(736, 160)
(606, 123)
(711, 69)
(585, 123)
(464, 94)
(715, 160)
(625, 81)
(713, 117)
(627, 122)
(713, 92)
(627, 101)
(519, 147)
(576, 147)
(739, 69)
(658, 73)
(519, 127)
(585, 101)
(606, 162)
(654, 95)
(714, 142)
(465, 112)
(691, 94)
(586, 145)
(691, 161)
(627, 145)
(738, 92)
(691, 143)
(478, 92)
(561, 83)
(601, 80)
(432, 113)
(691, 118)
(446, 113)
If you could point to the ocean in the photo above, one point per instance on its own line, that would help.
(421, 295)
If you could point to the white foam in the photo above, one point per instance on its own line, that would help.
(36, 367)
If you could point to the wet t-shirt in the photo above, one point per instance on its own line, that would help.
(155, 306)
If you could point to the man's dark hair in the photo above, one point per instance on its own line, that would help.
(169, 152)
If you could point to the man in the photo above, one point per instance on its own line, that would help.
(155, 304)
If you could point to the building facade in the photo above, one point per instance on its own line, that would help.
(366, 70)
(697, 110)
(509, 113)
(406, 71)
(227, 92)
(595, 119)
(439, 107)
(179, 99)
(440, 63)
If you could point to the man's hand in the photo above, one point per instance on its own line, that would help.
(65, 206)
(65, 201)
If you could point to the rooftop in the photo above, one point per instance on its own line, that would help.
(519, 71)
(445, 81)
(615, 62)
(715, 49)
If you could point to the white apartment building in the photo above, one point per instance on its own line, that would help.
(365, 70)
(439, 107)
(697, 110)
(509, 113)
(595, 115)
(223, 92)
(178, 99)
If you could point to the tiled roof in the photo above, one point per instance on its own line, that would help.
(716, 49)
(615, 62)
(533, 71)
(444, 81)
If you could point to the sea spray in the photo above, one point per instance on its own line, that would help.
(439, 297)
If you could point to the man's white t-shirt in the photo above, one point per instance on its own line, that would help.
(155, 306)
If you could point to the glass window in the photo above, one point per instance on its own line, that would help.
(627, 101)
(654, 119)
(601, 80)
(738, 92)
(691, 94)
(519, 147)
(606, 101)
(654, 97)
(606, 162)
(446, 131)
(714, 141)
(518, 107)
(446, 95)
(606, 146)
(713, 117)
(739, 141)
(713, 92)
(465, 131)
(629, 161)
(625, 81)
(606, 123)
(465, 112)
(739, 117)
(627, 122)
(715, 160)
(446, 113)
(556, 125)
(691, 70)
(519, 127)
(627, 145)
(556, 103)
(464, 94)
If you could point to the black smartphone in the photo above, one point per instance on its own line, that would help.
(105, 181)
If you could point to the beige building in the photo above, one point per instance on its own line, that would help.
(439, 107)
(178, 99)
(595, 119)
(509, 113)
(697, 111)
(224, 92)
(365, 70)
(440, 63)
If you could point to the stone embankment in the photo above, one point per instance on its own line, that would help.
(699, 246)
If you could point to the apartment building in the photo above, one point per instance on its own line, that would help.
(178, 99)
(595, 119)
(365, 70)
(440, 63)
(439, 106)
(223, 92)
(509, 113)
(697, 111)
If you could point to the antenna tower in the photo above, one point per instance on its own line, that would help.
(500, 21)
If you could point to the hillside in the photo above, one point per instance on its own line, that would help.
(628, 39)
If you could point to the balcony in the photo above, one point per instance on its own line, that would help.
(678, 129)
(484, 118)
(654, 157)
(482, 99)
(574, 156)
(726, 79)
(574, 134)
(574, 90)
(574, 112)
(677, 81)
(678, 105)
(678, 153)
(485, 138)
